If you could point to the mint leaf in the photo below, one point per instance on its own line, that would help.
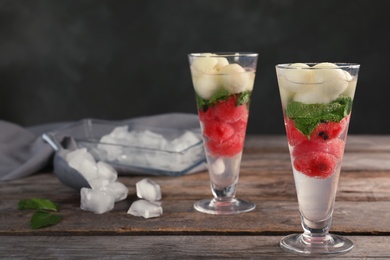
(202, 103)
(221, 94)
(307, 116)
(244, 98)
(43, 218)
(36, 203)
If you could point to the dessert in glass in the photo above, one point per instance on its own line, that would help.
(223, 84)
(317, 102)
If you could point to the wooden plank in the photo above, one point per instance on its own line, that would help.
(361, 211)
(179, 218)
(172, 247)
(361, 207)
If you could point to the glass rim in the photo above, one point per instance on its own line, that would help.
(340, 65)
(223, 54)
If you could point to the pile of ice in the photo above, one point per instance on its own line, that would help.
(149, 205)
(143, 148)
(105, 189)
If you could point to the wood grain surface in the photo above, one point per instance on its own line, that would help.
(362, 211)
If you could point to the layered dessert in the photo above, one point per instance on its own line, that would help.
(317, 102)
(223, 89)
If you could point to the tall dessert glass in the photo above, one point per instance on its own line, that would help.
(223, 84)
(317, 101)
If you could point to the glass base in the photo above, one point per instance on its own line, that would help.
(226, 207)
(332, 245)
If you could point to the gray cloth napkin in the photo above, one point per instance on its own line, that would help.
(23, 152)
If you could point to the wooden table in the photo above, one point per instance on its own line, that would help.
(362, 212)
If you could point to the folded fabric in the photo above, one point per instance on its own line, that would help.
(23, 152)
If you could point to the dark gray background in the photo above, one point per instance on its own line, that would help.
(68, 60)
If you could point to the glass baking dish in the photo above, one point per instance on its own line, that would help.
(136, 149)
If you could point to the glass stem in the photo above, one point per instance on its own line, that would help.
(224, 194)
(316, 233)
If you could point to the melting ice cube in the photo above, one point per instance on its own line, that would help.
(152, 140)
(148, 189)
(83, 162)
(102, 179)
(119, 132)
(106, 171)
(218, 167)
(96, 201)
(146, 209)
(98, 183)
(116, 189)
(184, 141)
(111, 146)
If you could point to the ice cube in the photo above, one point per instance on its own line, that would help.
(184, 141)
(111, 146)
(96, 201)
(117, 190)
(98, 183)
(152, 140)
(106, 171)
(75, 153)
(148, 189)
(132, 138)
(218, 167)
(119, 132)
(83, 162)
(146, 209)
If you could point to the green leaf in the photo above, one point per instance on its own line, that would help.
(42, 218)
(36, 203)
(202, 103)
(219, 95)
(244, 98)
(222, 94)
(307, 116)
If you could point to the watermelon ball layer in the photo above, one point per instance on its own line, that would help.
(226, 148)
(224, 125)
(215, 129)
(329, 130)
(294, 136)
(334, 147)
(206, 115)
(227, 111)
(316, 164)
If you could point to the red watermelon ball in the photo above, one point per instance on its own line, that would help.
(294, 136)
(334, 147)
(205, 115)
(215, 129)
(226, 148)
(227, 111)
(316, 164)
(329, 130)
(240, 125)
